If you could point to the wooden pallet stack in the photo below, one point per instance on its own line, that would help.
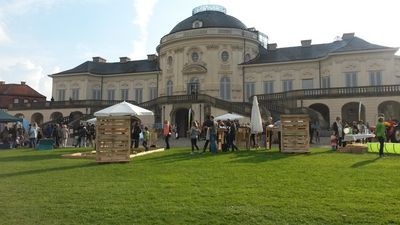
(113, 139)
(295, 135)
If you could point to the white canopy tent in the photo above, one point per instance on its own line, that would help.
(124, 109)
(230, 116)
(127, 109)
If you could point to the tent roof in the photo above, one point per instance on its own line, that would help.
(5, 117)
(124, 109)
(230, 116)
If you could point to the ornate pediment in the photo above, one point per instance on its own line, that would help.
(194, 69)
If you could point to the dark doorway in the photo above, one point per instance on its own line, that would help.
(181, 122)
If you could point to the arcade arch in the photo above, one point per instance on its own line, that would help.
(390, 109)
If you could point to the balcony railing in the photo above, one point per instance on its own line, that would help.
(340, 92)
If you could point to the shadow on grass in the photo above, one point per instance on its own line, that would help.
(268, 155)
(364, 163)
(243, 156)
(179, 155)
(45, 170)
(28, 158)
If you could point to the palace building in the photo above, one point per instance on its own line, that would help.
(212, 63)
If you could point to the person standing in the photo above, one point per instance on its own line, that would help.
(380, 134)
(213, 135)
(206, 129)
(32, 133)
(231, 136)
(146, 138)
(166, 133)
(338, 128)
(194, 135)
(136, 134)
(64, 135)
(269, 126)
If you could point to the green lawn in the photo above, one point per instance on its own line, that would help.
(174, 187)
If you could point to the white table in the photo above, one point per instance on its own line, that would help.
(355, 137)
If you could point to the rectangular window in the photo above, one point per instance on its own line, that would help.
(152, 93)
(111, 94)
(96, 94)
(326, 82)
(307, 83)
(249, 89)
(287, 85)
(375, 78)
(61, 95)
(139, 95)
(268, 87)
(124, 94)
(351, 79)
(75, 94)
(16, 100)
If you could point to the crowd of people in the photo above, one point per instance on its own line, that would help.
(18, 136)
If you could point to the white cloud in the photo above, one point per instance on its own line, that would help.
(26, 70)
(143, 10)
(3, 34)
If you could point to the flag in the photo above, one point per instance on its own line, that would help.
(359, 111)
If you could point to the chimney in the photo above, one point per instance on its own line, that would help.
(272, 46)
(306, 43)
(23, 83)
(152, 57)
(99, 59)
(124, 59)
(347, 36)
(2, 82)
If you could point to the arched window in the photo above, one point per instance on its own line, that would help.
(225, 88)
(193, 86)
(169, 87)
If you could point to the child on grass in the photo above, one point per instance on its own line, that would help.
(334, 141)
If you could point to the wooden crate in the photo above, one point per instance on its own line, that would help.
(113, 139)
(295, 135)
(242, 137)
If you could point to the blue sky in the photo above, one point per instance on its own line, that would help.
(41, 37)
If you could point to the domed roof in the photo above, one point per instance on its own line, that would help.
(209, 17)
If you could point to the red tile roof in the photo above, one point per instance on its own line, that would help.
(19, 90)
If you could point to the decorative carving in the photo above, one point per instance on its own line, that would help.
(212, 47)
(194, 69)
(226, 67)
(178, 50)
(287, 75)
(374, 66)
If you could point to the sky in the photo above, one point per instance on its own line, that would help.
(42, 37)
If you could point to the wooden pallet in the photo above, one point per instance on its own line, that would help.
(113, 139)
(295, 136)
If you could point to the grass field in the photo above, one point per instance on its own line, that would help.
(174, 187)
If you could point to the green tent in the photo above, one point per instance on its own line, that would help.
(5, 117)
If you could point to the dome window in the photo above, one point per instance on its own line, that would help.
(195, 56)
(224, 56)
(197, 24)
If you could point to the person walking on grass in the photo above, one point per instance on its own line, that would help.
(194, 135)
(380, 135)
(167, 133)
